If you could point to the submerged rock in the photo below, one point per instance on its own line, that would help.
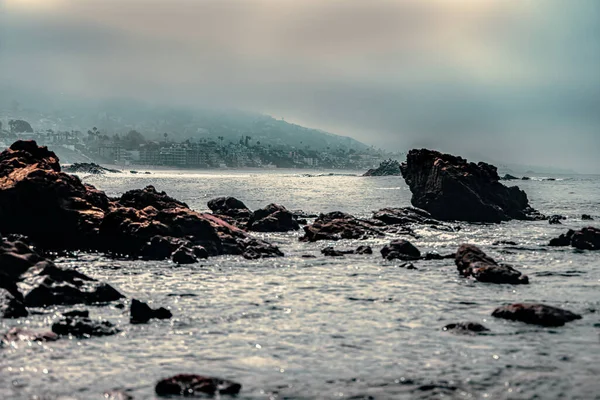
(472, 261)
(338, 225)
(537, 314)
(83, 327)
(386, 168)
(184, 255)
(450, 188)
(400, 249)
(89, 168)
(587, 217)
(195, 385)
(584, 239)
(231, 209)
(363, 250)
(141, 312)
(273, 218)
(466, 327)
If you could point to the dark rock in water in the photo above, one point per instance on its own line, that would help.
(555, 219)
(504, 242)
(550, 179)
(184, 255)
(450, 188)
(83, 327)
(337, 225)
(308, 256)
(141, 312)
(472, 261)
(232, 209)
(404, 216)
(89, 168)
(117, 395)
(525, 178)
(436, 256)
(509, 177)
(331, 252)
(363, 250)
(584, 239)
(386, 168)
(21, 334)
(407, 265)
(195, 385)
(537, 314)
(466, 327)
(139, 199)
(273, 218)
(400, 249)
(160, 247)
(587, 217)
(253, 249)
(10, 307)
(76, 313)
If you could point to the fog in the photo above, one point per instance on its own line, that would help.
(511, 80)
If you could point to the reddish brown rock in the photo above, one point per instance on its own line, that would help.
(400, 249)
(141, 312)
(537, 314)
(472, 261)
(584, 239)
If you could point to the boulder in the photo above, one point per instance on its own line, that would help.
(472, 261)
(555, 219)
(386, 168)
(525, 178)
(331, 252)
(405, 216)
(10, 307)
(21, 334)
(83, 327)
(537, 314)
(89, 168)
(407, 265)
(466, 328)
(587, 217)
(253, 249)
(363, 250)
(273, 218)
(400, 249)
(509, 177)
(195, 385)
(184, 255)
(140, 312)
(231, 209)
(338, 225)
(450, 188)
(149, 197)
(584, 239)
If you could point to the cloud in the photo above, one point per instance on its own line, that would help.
(496, 76)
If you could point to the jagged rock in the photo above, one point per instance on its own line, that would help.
(337, 225)
(76, 313)
(184, 255)
(555, 219)
(273, 218)
(537, 314)
(140, 312)
(253, 249)
(587, 217)
(400, 249)
(404, 216)
(10, 307)
(504, 242)
(230, 209)
(525, 178)
(331, 252)
(450, 188)
(584, 239)
(21, 334)
(472, 261)
(89, 168)
(509, 177)
(195, 385)
(139, 199)
(436, 256)
(466, 327)
(83, 327)
(386, 168)
(363, 250)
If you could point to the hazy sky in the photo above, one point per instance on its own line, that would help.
(514, 80)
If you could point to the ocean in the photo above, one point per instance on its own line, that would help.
(353, 327)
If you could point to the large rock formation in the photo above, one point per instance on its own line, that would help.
(386, 168)
(450, 188)
(584, 239)
(196, 385)
(472, 261)
(57, 211)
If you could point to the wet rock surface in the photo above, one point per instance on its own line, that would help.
(11, 307)
(450, 188)
(89, 168)
(584, 239)
(141, 312)
(537, 314)
(400, 249)
(273, 218)
(555, 219)
(195, 385)
(83, 327)
(472, 261)
(466, 327)
(386, 168)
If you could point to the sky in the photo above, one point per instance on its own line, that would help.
(511, 80)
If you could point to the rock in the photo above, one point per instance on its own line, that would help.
(88, 168)
(407, 265)
(184, 255)
(404, 216)
(400, 249)
(338, 225)
(141, 312)
(550, 179)
(537, 314)
(586, 217)
(76, 313)
(466, 327)
(509, 177)
(331, 252)
(584, 239)
(83, 327)
(195, 385)
(273, 218)
(21, 334)
(472, 261)
(450, 188)
(504, 242)
(10, 307)
(233, 209)
(253, 249)
(436, 256)
(363, 250)
(386, 168)
(525, 178)
(555, 219)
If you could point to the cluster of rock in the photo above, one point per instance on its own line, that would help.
(386, 168)
(450, 188)
(57, 211)
(89, 168)
(584, 239)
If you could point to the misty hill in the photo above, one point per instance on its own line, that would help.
(120, 116)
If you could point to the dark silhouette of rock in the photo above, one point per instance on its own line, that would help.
(525, 178)
(139, 199)
(184, 255)
(273, 218)
(21, 334)
(10, 307)
(404, 216)
(407, 265)
(555, 219)
(83, 327)
(450, 188)
(509, 177)
(253, 249)
(386, 168)
(195, 385)
(231, 209)
(466, 328)
(88, 168)
(504, 242)
(472, 261)
(76, 313)
(587, 217)
(400, 249)
(338, 225)
(331, 252)
(537, 314)
(584, 239)
(140, 312)
(363, 250)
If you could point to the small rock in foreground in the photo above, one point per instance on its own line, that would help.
(537, 314)
(22, 334)
(141, 312)
(400, 249)
(584, 239)
(194, 385)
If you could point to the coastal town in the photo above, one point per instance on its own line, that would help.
(134, 148)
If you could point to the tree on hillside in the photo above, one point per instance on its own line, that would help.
(133, 140)
(19, 126)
